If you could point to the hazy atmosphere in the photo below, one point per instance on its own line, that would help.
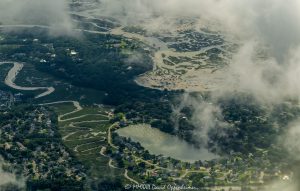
(212, 87)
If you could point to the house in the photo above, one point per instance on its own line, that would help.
(43, 61)
(73, 53)
(48, 123)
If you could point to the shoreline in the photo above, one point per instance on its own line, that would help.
(13, 73)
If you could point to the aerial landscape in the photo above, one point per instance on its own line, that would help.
(115, 95)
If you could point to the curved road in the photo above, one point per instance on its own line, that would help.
(118, 31)
(128, 178)
(75, 103)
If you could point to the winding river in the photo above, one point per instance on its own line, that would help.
(152, 139)
(11, 77)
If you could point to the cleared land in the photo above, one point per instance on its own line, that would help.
(84, 131)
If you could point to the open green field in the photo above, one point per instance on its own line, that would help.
(61, 109)
(92, 111)
(85, 132)
(87, 117)
(100, 126)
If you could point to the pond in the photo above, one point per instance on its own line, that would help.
(158, 142)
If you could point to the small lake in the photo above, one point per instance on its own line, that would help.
(158, 142)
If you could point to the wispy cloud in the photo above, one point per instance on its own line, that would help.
(266, 66)
(9, 177)
(53, 13)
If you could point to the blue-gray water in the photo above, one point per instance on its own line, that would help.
(157, 142)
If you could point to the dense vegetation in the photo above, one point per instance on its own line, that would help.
(108, 63)
(246, 126)
(30, 142)
(103, 62)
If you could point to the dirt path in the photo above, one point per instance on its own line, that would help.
(79, 117)
(190, 171)
(111, 165)
(109, 139)
(128, 178)
(78, 146)
(77, 109)
(103, 149)
(75, 103)
(68, 135)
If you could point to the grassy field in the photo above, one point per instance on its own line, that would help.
(61, 109)
(92, 111)
(85, 137)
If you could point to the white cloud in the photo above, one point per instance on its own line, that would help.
(9, 178)
(52, 13)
